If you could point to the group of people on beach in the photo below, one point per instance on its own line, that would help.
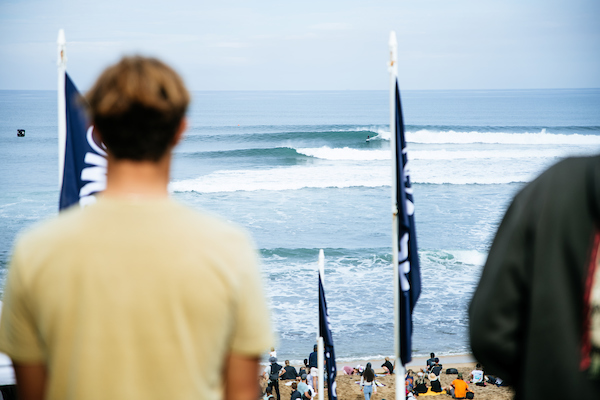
(427, 380)
(305, 379)
(416, 385)
(305, 385)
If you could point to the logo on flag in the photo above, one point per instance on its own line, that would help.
(409, 274)
(84, 172)
(325, 333)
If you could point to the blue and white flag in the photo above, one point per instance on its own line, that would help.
(325, 333)
(84, 171)
(409, 274)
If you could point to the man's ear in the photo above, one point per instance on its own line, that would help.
(97, 136)
(179, 134)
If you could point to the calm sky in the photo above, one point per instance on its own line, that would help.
(310, 45)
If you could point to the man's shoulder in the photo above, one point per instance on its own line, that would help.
(567, 173)
(47, 231)
(167, 212)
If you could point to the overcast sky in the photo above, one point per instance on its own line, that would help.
(310, 45)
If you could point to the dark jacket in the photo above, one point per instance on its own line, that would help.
(526, 315)
(290, 373)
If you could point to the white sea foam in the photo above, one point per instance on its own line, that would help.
(448, 137)
(355, 175)
(470, 257)
(285, 178)
(346, 153)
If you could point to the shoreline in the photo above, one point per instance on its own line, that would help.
(447, 361)
(454, 361)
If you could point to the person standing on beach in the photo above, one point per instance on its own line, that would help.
(313, 366)
(534, 310)
(367, 382)
(135, 296)
(273, 372)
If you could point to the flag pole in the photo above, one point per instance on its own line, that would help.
(393, 70)
(320, 343)
(61, 62)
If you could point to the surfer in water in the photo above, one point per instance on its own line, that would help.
(368, 139)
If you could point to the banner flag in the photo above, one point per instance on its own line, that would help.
(409, 273)
(325, 333)
(84, 172)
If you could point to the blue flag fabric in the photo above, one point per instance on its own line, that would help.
(85, 161)
(409, 273)
(325, 333)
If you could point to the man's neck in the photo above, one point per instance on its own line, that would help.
(137, 179)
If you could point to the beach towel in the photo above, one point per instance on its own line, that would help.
(377, 383)
(430, 393)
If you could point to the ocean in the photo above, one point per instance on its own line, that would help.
(294, 168)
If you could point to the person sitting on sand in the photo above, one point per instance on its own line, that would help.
(476, 376)
(295, 393)
(459, 388)
(410, 381)
(268, 394)
(430, 361)
(387, 366)
(436, 386)
(437, 367)
(367, 382)
(420, 384)
(305, 390)
(348, 370)
(289, 371)
(304, 369)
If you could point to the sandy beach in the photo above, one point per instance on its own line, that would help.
(349, 389)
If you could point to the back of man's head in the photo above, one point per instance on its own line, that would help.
(137, 106)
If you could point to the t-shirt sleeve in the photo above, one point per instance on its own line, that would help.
(19, 337)
(252, 334)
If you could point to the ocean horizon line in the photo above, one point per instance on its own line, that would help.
(346, 90)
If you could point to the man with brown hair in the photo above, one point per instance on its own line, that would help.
(135, 296)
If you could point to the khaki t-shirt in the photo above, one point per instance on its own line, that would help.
(134, 300)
